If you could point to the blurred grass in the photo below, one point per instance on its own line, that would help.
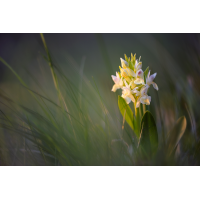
(60, 115)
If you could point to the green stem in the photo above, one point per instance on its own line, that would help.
(137, 121)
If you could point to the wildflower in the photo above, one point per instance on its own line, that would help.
(139, 72)
(138, 65)
(118, 82)
(139, 77)
(145, 99)
(126, 73)
(133, 82)
(142, 92)
(127, 93)
(149, 80)
(124, 63)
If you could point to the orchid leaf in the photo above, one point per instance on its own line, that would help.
(148, 134)
(124, 107)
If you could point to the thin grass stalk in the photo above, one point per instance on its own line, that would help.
(60, 96)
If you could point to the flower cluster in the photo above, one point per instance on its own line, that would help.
(133, 81)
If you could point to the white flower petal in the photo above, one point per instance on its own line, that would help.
(132, 84)
(114, 78)
(155, 85)
(139, 66)
(153, 76)
(136, 63)
(121, 83)
(145, 99)
(139, 73)
(135, 90)
(148, 74)
(124, 73)
(124, 63)
(137, 104)
(132, 98)
(139, 81)
(144, 90)
(130, 72)
(147, 102)
(127, 99)
(114, 88)
(150, 79)
(126, 84)
(117, 75)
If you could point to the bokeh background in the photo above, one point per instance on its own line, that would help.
(88, 61)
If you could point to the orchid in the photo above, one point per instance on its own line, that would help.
(124, 63)
(135, 84)
(144, 99)
(139, 77)
(118, 82)
(149, 80)
(127, 93)
(133, 81)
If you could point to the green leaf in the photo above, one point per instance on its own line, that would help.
(176, 134)
(146, 73)
(123, 106)
(148, 134)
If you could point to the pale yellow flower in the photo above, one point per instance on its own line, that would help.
(118, 82)
(149, 80)
(127, 93)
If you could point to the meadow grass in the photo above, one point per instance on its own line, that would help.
(77, 122)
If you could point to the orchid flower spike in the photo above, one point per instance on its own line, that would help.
(133, 81)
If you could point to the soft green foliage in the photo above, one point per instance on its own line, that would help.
(148, 134)
(176, 134)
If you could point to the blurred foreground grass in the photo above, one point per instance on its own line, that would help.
(54, 116)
